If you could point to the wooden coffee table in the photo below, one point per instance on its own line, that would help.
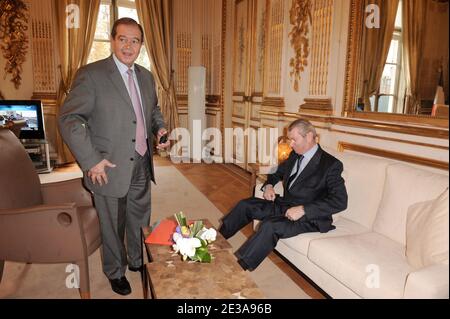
(167, 276)
(223, 278)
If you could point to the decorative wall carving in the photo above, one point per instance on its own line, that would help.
(300, 18)
(13, 25)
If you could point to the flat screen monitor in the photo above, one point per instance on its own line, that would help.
(29, 111)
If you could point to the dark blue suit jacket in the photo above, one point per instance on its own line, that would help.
(320, 188)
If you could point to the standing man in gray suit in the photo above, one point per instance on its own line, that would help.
(108, 121)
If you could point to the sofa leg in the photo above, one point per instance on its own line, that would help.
(2, 265)
(84, 279)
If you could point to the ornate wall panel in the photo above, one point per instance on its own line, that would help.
(183, 43)
(259, 44)
(241, 46)
(274, 47)
(321, 43)
(212, 44)
(43, 52)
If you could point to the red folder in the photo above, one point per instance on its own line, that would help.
(162, 233)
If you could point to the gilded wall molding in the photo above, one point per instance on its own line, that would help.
(343, 146)
(321, 105)
(300, 18)
(384, 138)
(426, 131)
(274, 101)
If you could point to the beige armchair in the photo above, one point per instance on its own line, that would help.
(49, 223)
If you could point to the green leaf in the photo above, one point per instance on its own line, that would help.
(203, 255)
(204, 243)
(198, 226)
(181, 219)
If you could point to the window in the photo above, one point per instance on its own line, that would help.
(111, 10)
(388, 98)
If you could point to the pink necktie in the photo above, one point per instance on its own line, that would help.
(141, 143)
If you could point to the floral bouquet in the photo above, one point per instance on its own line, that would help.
(192, 240)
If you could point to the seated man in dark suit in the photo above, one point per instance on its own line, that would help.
(313, 191)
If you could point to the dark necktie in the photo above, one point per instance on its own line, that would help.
(297, 169)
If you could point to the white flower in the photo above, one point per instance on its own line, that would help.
(208, 234)
(186, 246)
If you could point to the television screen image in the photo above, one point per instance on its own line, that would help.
(29, 112)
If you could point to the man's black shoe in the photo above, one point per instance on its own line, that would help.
(135, 269)
(120, 286)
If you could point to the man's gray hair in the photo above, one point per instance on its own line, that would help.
(304, 127)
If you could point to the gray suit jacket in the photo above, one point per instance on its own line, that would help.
(97, 121)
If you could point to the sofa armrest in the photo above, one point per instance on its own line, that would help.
(70, 191)
(428, 283)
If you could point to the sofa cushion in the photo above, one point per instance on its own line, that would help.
(429, 282)
(427, 232)
(364, 179)
(370, 264)
(405, 185)
(300, 243)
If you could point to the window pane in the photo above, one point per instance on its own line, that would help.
(385, 103)
(143, 59)
(398, 18)
(393, 52)
(100, 50)
(372, 103)
(387, 85)
(129, 13)
(103, 23)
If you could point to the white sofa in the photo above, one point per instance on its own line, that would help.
(365, 256)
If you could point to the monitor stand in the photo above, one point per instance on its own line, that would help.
(39, 152)
(48, 168)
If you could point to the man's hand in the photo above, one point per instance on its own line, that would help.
(269, 193)
(97, 174)
(295, 213)
(165, 145)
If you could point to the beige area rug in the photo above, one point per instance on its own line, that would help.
(172, 194)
